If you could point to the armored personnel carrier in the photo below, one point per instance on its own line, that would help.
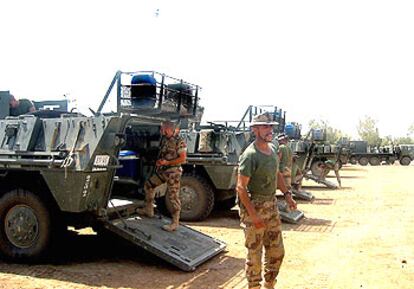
(58, 169)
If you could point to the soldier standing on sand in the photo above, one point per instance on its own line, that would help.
(173, 153)
(285, 155)
(330, 165)
(256, 188)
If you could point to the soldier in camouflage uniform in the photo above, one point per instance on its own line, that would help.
(173, 153)
(256, 188)
(329, 165)
(285, 155)
(296, 174)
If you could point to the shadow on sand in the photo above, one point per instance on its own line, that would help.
(99, 261)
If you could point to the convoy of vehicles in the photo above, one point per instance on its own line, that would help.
(90, 171)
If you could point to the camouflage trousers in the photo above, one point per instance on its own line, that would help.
(287, 176)
(269, 237)
(172, 178)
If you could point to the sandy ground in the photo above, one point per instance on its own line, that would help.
(361, 236)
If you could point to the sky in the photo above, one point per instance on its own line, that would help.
(337, 61)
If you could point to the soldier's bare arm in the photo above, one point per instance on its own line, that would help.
(241, 188)
(288, 195)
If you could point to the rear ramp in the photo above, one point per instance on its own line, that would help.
(185, 248)
(288, 216)
(303, 195)
(325, 182)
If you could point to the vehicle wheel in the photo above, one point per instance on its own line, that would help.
(197, 198)
(226, 204)
(25, 230)
(374, 161)
(363, 161)
(316, 169)
(391, 161)
(405, 161)
(353, 160)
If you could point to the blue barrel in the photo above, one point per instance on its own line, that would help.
(143, 90)
(290, 130)
(129, 162)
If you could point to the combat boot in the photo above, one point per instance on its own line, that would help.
(269, 285)
(148, 210)
(174, 224)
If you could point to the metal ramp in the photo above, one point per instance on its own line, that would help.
(303, 195)
(185, 248)
(325, 182)
(287, 215)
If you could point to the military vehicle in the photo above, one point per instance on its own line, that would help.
(404, 153)
(210, 175)
(68, 164)
(362, 154)
(213, 152)
(312, 151)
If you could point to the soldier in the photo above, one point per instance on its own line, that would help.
(256, 188)
(21, 106)
(173, 153)
(285, 155)
(330, 165)
(296, 174)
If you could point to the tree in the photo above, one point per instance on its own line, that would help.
(388, 140)
(411, 129)
(332, 134)
(368, 131)
(403, 140)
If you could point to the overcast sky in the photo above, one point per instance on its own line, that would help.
(331, 60)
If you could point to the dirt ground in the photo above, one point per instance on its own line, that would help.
(361, 236)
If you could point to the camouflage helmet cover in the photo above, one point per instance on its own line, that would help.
(263, 119)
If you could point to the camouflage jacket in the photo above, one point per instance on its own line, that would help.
(171, 148)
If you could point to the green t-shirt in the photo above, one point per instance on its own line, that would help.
(261, 169)
(24, 107)
(285, 158)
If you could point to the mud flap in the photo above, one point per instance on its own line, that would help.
(325, 182)
(185, 248)
(302, 195)
(288, 216)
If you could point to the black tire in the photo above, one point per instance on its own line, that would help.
(197, 198)
(316, 169)
(391, 160)
(26, 241)
(374, 161)
(353, 160)
(363, 161)
(405, 161)
(226, 204)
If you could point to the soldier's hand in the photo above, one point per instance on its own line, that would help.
(291, 202)
(161, 162)
(258, 222)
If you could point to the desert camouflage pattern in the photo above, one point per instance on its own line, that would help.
(172, 178)
(170, 149)
(269, 237)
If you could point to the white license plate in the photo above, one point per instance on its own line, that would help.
(101, 160)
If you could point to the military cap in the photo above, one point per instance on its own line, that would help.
(263, 119)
